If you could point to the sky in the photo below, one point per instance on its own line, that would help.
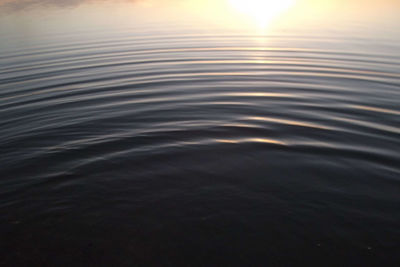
(228, 13)
(21, 4)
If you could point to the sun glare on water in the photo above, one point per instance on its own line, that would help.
(261, 11)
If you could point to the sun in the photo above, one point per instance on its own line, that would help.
(261, 11)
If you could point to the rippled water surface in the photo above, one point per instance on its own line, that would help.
(199, 133)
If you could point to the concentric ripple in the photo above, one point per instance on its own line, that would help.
(147, 132)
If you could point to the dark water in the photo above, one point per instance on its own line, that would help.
(175, 147)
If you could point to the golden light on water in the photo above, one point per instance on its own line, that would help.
(262, 11)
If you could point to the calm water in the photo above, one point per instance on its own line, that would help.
(199, 133)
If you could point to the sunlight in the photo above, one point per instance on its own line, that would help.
(261, 11)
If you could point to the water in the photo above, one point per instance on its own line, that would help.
(191, 133)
